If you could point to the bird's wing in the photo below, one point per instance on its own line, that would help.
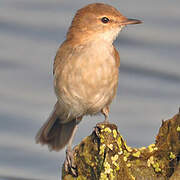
(61, 56)
(117, 58)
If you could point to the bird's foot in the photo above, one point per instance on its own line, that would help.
(106, 121)
(69, 163)
(105, 112)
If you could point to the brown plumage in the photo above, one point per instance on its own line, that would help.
(86, 70)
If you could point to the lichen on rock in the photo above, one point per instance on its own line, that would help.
(104, 155)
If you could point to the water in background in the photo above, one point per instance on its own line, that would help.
(149, 85)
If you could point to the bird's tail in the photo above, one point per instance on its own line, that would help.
(54, 133)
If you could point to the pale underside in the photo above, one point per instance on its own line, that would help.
(88, 81)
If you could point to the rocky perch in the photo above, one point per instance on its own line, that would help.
(104, 155)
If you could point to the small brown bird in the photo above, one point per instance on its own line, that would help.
(86, 70)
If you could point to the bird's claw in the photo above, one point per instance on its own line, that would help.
(69, 163)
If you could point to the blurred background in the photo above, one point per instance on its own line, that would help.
(149, 84)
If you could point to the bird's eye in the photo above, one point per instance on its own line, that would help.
(105, 20)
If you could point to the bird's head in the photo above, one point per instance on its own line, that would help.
(98, 21)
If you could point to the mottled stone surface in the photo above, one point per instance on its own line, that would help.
(104, 155)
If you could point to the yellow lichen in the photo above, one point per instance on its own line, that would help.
(142, 148)
(87, 156)
(172, 156)
(114, 133)
(129, 149)
(178, 129)
(156, 148)
(151, 147)
(119, 142)
(114, 159)
(117, 168)
(125, 158)
(102, 148)
(80, 178)
(156, 167)
(103, 176)
(101, 138)
(128, 165)
(112, 176)
(102, 126)
(136, 154)
(107, 130)
(150, 161)
(133, 178)
(125, 145)
(107, 168)
(126, 154)
(110, 146)
(120, 152)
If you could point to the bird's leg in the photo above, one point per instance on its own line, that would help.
(69, 163)
(105, 112)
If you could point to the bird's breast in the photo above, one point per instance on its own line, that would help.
(88, 80)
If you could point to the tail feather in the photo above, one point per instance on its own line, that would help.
(54, 133)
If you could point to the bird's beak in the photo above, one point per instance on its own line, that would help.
(130, 21)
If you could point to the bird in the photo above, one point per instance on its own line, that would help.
(86, 73)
